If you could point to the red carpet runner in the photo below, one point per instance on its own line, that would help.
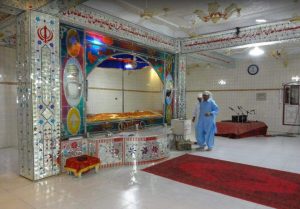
(269, 187)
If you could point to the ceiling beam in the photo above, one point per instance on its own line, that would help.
(99, 21)
(8, 32)
(279, 31)
(53, 7)
(9, 9)
(57, 6)
(24, 4)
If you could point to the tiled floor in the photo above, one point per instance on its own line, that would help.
(130, 188)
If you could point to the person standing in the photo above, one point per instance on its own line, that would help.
(206, 126)
(196, 112)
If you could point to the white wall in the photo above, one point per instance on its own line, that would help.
(8, 95)
(142, 91)
(241, 89)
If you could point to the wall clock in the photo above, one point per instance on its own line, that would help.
(253, 69)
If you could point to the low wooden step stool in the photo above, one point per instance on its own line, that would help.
(81, 164)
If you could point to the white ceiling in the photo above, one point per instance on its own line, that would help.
(180, 21)
(289, 48)
(280, 52)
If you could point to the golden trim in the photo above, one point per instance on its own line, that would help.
(141, 91)
(78, 174)
(216, 90)
(130, 90)
(8, 83)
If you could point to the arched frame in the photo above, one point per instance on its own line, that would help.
(98, 47)
(157, 69)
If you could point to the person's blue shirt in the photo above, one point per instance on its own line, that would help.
(206, 126)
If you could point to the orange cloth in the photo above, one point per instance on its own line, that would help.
(119, 116)
(80, 163)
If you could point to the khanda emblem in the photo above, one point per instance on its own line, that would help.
(45, 34)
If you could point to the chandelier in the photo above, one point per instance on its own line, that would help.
(215, 15)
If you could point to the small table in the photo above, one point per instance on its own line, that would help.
(240, 130)
(81, 164)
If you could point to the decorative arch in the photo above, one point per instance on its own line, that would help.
(96, 48)
(93, 59)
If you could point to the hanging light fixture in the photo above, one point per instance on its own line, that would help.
(215, 15)
(296, 78)
(222, 82)
(256, 51)
(132, 64)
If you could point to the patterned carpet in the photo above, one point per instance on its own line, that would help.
(269, 187)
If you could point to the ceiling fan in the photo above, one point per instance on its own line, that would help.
(191, 32)
(295, 19)
(147, 13)
(280, 55)
(198, 66)
(192, 27)
(192, 67)
(232, 51)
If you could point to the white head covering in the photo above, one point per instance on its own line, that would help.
(206, 93)
(199, 95)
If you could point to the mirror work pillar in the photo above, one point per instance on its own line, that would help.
(180, 86)
(38, 99)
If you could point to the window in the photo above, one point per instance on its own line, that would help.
(291, 104)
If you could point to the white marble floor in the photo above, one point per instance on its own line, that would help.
(130, 188)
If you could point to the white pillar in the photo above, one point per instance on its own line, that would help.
(180, 86)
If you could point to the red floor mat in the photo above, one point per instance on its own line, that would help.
(269, 187)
